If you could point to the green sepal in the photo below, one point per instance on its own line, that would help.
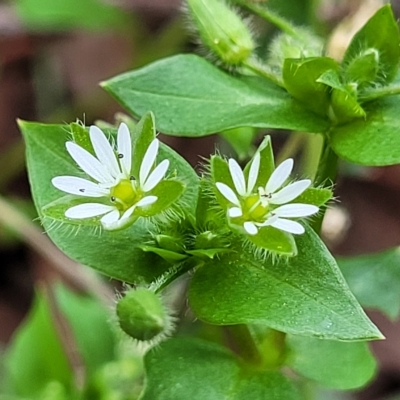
(207, 253)
(267, 164)
(168, 192)
(205, 215)
(220, 173)
(316, 196)
(142, 135)
(300, 77)
(81, 136)
(344, 106)
(171, 243)
(167, 255)
(380, 33)
(274, 240)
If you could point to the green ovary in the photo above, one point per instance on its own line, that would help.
(253, 210)
(125, 194)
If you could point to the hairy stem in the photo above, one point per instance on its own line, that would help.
(270, 16)
(174, 273)
(373, 94)
(262, 70)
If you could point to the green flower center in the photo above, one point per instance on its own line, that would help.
(126, 194)
(253, 210)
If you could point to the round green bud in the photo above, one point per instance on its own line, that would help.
(222, 30)
(142, 315)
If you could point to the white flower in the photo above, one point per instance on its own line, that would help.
(111, 177)
(267, 206)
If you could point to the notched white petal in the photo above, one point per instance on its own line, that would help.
(124, 149)
(146, 201)
(78, 186)
(228, 193)
(250, 228)
(253, 173)
(87, 210)
(110, 218)
(88, 163)
(237, 177)
(235, 212)
(290, 192)
(148, 161)
(296, 210)
(103, 150)
(156, 176)
(279, 176)
(288, 226)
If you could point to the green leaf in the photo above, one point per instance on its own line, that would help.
(304, 295)
(375, 280)
(60, 15)
(371, 141)
(182, 369)
(206, 100)
(380, 34)
(333, 364)
(115, 254)
(300, 76)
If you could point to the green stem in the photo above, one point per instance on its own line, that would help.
(174, 273)
(270, 16)
(255, 66)
(327, 171)
(291, 147)
(244, 345)
(373, 94)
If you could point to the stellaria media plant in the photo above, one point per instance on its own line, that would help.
(247, 230)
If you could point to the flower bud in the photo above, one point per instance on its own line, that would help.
(364, 68)
(143, 316)
(221, 30)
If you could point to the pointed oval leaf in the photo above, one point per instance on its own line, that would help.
(304, 295)
(180, 105)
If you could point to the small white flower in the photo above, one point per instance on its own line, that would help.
(267, 207)
(111, 174)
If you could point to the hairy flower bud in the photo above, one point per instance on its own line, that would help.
(143, 316)
(221, 30)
